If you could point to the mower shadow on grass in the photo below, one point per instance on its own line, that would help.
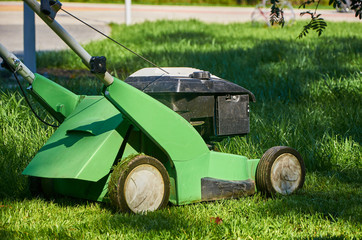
(158, 221)
(325, 205)
(330, 195)
(163, 220)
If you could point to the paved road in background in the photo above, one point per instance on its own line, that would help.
(100, 15)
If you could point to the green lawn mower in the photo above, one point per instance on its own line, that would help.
(147, 141)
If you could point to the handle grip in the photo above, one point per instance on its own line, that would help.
(45, 7)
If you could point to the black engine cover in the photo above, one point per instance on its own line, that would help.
(214, 106)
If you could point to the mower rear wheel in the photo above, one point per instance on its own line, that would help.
(139, 185)
(280, 170)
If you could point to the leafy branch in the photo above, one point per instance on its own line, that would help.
(276, 13)
(356, 5)
(316, 23)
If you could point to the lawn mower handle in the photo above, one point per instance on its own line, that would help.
(106, 78)
(16, 64)
(57, 100)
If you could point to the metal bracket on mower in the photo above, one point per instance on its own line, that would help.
(98, 65)
(50, 8)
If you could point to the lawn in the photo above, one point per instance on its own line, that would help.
(309, 97)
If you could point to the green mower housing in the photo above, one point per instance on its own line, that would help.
(98, 131)
(147, 141)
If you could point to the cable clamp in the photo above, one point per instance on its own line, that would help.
(98, 64)
(17, 65)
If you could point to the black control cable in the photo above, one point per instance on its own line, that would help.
(120, 44)
(11, 69)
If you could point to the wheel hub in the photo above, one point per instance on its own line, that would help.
(144, 189)
(286, 173)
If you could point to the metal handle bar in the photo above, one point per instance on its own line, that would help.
(16, 64)
(106, 78)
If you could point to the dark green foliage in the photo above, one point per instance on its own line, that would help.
(316, 23)
(356, 5)
(276, 14)
(304, 4)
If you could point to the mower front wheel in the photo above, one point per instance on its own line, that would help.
(139, 185)
(280, 170)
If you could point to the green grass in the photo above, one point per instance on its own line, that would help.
(309, 95)
(315, 213)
